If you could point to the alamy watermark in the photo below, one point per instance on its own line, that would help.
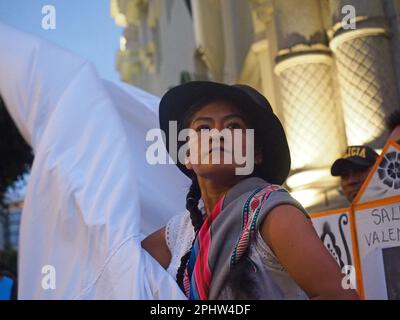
(349, 280)
(49, 277)
(207, 146)
(49, 18)
(349, 20)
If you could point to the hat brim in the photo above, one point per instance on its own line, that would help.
(342, 165)
(276, 154)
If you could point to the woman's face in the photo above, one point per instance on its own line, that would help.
(212, 161)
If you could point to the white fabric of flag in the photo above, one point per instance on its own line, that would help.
(92, 196)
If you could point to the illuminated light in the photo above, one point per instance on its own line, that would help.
(308, 197)
(309, 186)
(304, 178)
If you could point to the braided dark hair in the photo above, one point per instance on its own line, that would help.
(192, 205)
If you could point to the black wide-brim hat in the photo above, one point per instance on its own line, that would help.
(270, 134)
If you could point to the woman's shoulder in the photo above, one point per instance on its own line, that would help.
(274, 195)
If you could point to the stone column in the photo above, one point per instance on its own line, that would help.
(260, 62)
(304, 65)
(365, 69)
(209, 36)
(312, 118)
(237, 30)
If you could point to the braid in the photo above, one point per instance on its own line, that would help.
(241, 280)
(192, 205)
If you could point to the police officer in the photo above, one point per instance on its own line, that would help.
(353, 168)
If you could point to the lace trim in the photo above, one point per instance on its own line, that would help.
(179, 235)
(266, 253)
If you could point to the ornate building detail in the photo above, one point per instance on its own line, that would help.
(138, 48)
(312, 119)
(367, 83)
(263, 10)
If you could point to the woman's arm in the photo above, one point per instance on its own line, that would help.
(297, 246)
(156, 246)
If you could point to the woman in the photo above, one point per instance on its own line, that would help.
(243, 237)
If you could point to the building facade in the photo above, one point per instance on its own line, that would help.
(330, 68)
(10, 219)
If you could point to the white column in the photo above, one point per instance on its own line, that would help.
(365, 70)
(238, 36)
(304, 66)
(208, 31)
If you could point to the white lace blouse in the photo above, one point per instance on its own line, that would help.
(179, 235)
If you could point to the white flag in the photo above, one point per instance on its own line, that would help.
(91, 196)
